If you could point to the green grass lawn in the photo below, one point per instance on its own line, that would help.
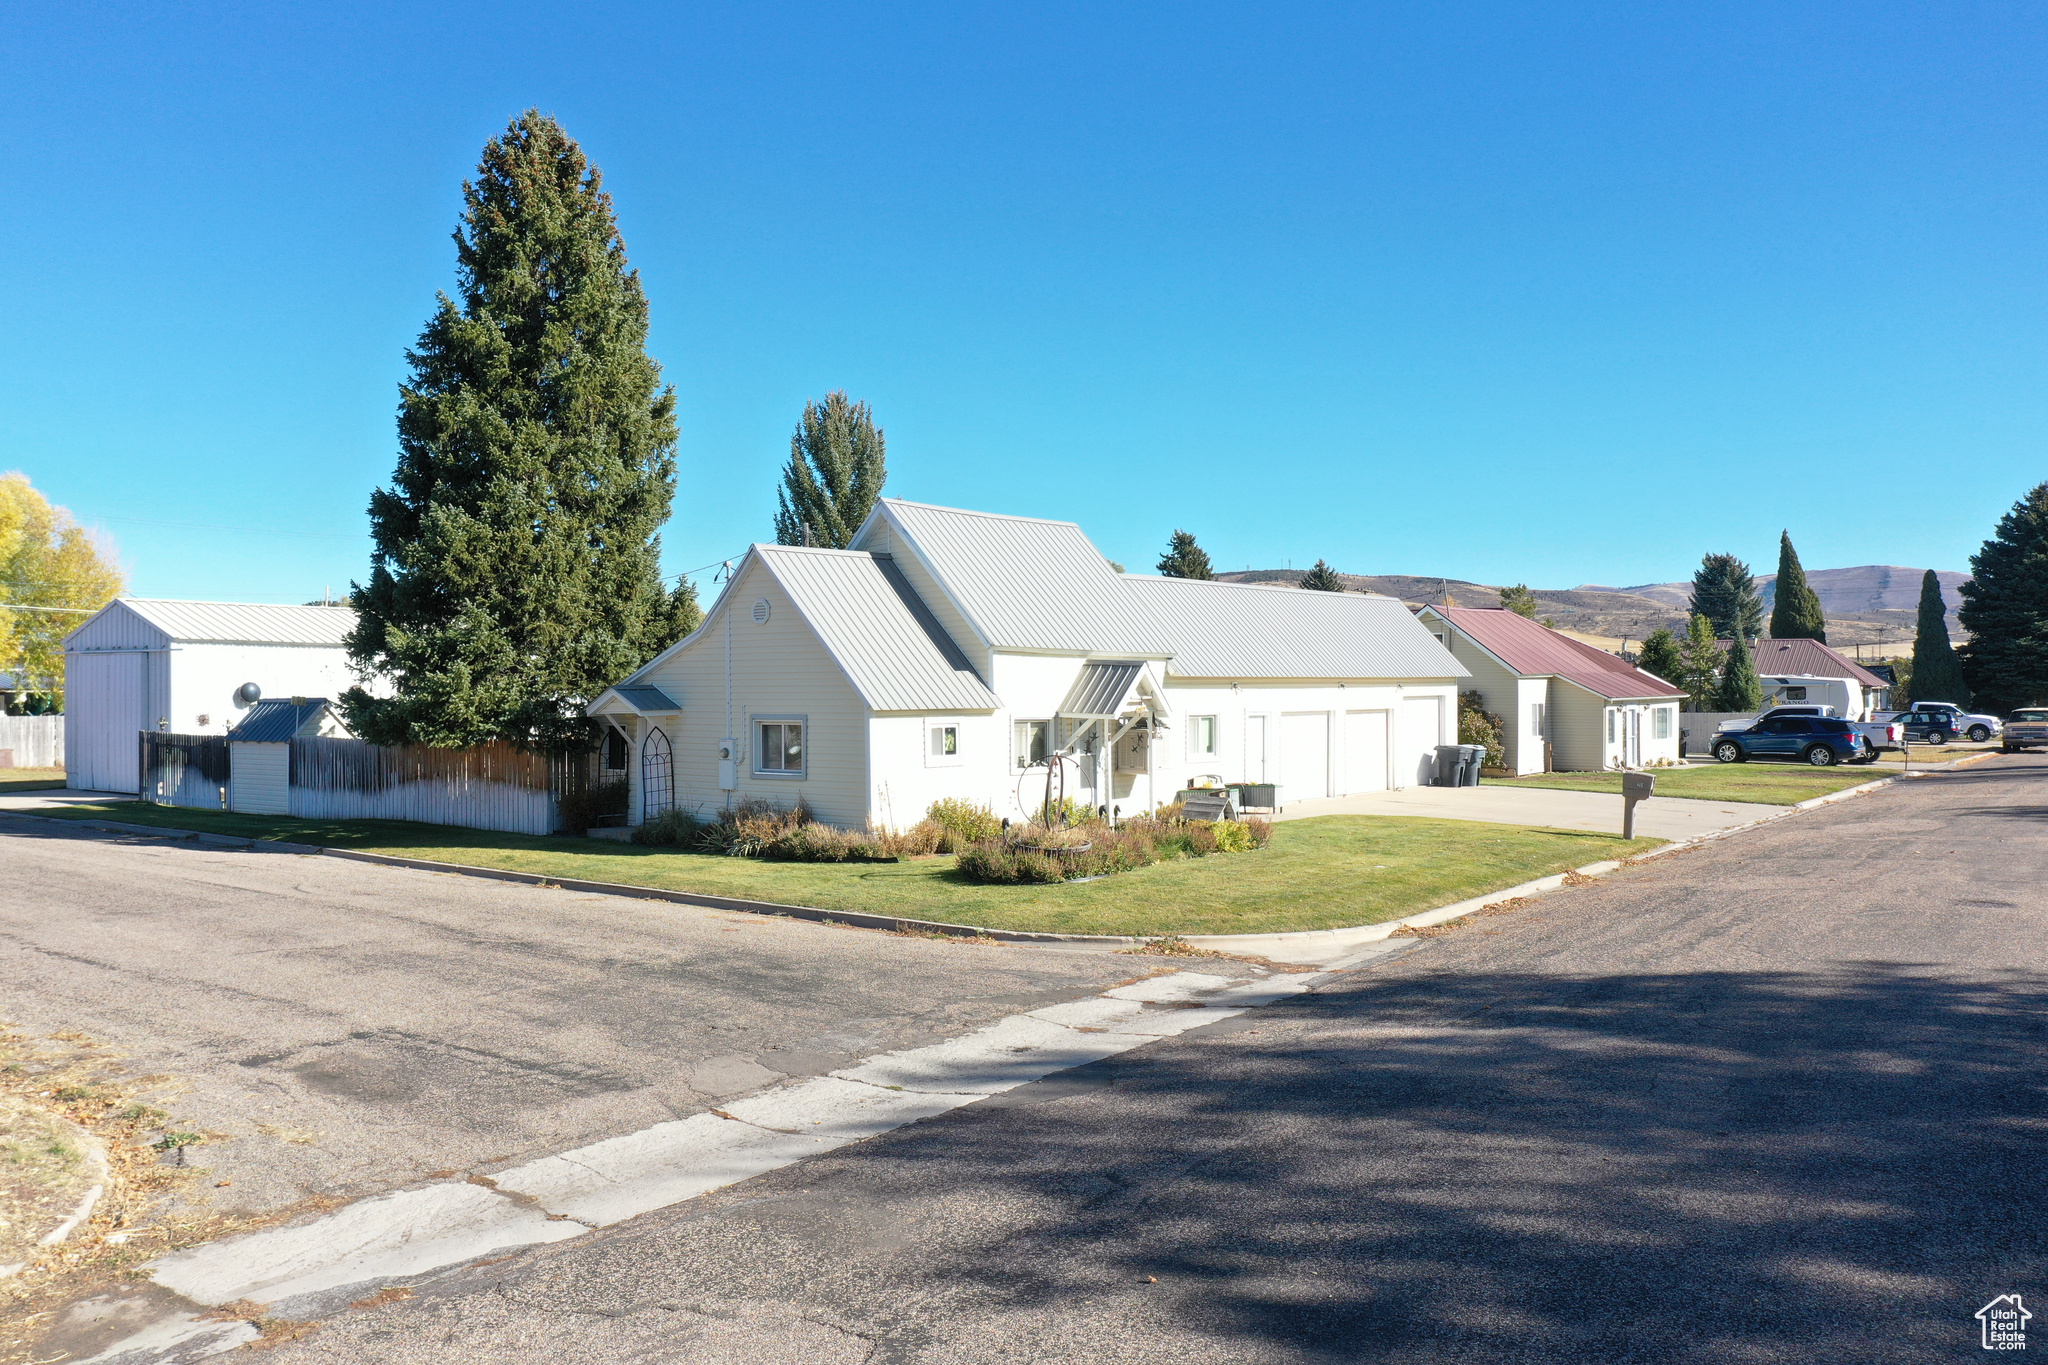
(1766, 783)
(30, 779)
(1318, 874)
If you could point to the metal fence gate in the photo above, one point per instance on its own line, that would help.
(185, 770)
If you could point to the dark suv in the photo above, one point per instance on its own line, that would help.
(1822, 741)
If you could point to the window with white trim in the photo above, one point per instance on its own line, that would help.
(779, 747)
(1031, 739)
(1536, 719)
(1201, 736)
(1662, 724)
(1610, 724)
(941, 743)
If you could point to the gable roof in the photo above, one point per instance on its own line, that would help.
(881, 634)
(277, 719)
(1022, 582)
(1533, 650)
(1806, 658)
(239, 623)
(1254, 630)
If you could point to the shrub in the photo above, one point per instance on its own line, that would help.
(670, 829)
(965, 821)
(748, 828)
(1477, 725)
(1233, 837)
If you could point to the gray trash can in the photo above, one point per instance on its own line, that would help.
(1475, 759)
(1449, 759)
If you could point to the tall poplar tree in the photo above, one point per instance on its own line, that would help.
(1937, 674)
(1184, 558)
(1796, 612)
(1724, 591)
(514, 571)
(835, 473)
(1740, 690)
(2005, 609)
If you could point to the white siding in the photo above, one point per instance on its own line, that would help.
(1528, 727)
(106, 699)
(1578, 728)
(907, 780)
(778, 669)
(204, 677)
(258, 778)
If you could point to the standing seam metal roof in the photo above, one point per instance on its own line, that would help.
(1247, 630)
(1807, 658)
(1027, 583)
(253, 623)
(277, 719)
(883, 636)
(1533, 649)
(1101, 688)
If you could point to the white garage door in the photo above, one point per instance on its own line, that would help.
(1304, 755)
(1365, 751)
(1422, 729)
(103, 715)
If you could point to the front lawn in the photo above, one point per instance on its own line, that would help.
(30, 779)
(1323, 873)
(1765, 783)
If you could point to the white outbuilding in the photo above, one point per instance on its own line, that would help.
(952, 653)
(192, 668)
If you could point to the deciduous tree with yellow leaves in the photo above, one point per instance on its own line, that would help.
(52, 573)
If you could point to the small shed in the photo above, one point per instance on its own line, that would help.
(187, 668)
(260, 750)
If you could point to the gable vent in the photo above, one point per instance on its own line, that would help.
(760, 611)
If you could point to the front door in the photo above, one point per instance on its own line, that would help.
(1632, 719)
(1256, 769)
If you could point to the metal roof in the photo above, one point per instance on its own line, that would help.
(1534, 650)
(1249, 630)
(646, 698)
(1024, 583)
(892, 649)
(1101, 688)
(1810, 658)
(253, 623)
(277, 719)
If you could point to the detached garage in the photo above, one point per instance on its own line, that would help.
(192, 668)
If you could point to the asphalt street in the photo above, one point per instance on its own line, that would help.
(338, 1029)
(1778, 1098)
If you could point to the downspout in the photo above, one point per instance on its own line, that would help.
(728, 685)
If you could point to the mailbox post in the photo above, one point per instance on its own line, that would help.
(1634, 787)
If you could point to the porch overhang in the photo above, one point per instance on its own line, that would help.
(633, 699)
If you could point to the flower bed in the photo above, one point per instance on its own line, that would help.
(1030, 853)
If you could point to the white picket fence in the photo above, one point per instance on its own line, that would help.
(36, 741)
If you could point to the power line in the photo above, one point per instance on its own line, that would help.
(257, 530)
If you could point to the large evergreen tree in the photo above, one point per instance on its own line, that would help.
(1724, 591)
(835, 473)
(1322, 578)
(1699, 664)
(2005, 609)
(1740, 690)
(514, 571)
(1184, 558)
(1795, 613)
(1661, 657)
(1937, 674)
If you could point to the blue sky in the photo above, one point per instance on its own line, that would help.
(1556, 293)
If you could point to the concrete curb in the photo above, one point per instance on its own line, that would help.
(1334, 941)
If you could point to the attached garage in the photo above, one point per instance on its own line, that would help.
(1305, 754)
(1365, 751)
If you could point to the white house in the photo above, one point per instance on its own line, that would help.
(141, 664)
(1593, 709)
(951, 653)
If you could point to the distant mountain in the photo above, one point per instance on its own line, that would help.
(1873, 604)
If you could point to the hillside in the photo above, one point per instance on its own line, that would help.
(1872, 605)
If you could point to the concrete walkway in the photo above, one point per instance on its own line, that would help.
(1661, 817)
(42, 798)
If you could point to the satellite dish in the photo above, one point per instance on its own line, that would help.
(248, 694)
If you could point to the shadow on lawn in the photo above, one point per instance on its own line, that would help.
(1692, 1167)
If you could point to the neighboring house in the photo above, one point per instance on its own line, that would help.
(950, 653)
(1782, 663)
(260, 750)
(140, 664)
(1594, 710)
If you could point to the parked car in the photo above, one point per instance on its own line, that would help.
(1876, 735)
(1928, 727)
(1822, 741)
(2023, 728)
(1977, 728)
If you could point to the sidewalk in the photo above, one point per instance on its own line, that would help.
(1661, 817)
(43, 798)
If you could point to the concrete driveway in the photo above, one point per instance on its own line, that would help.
(1661, 817)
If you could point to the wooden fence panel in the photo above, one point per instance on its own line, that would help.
(36, 741)
(492, 786)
